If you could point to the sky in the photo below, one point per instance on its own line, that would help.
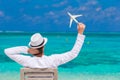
(51, 15)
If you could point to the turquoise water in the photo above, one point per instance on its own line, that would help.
(99, 58)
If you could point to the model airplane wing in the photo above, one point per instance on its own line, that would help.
(76, 16)
(71, 20)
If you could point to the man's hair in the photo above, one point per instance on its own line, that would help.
(40, 52)
(40, 49)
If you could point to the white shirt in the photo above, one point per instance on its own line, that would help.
(52, 61)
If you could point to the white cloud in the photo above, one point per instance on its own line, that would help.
(62, 3)
(2, 14)
(92, 10)
(36, 20)
(37, 6)
(27, 17)
(21, 10)
(110, 11)
(83, 8)
(117, 19)
(23, 1)
(98, 9)
(33, 20)
(8, 18)
(91, 2)
(51, 13)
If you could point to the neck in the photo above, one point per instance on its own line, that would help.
(39, 55)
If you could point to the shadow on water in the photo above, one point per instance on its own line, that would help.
(4, 58)
(70, 65)
(84, 59)
(87, 59)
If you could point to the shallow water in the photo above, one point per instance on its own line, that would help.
(99, 58)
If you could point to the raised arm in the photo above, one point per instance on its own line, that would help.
(15, 54)
(59, 59)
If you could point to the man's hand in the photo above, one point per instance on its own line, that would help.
(80, 28)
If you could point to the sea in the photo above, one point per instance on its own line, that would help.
(99, 58)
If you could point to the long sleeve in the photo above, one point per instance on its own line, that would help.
(59, 59)
(15, 54)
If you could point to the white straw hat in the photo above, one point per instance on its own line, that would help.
(37, 41)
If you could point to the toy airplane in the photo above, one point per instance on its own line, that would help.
(72, 17)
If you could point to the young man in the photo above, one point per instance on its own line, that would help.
(39, 59)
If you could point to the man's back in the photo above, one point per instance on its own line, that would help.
(52, 61)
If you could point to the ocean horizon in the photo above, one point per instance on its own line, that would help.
(99, 58)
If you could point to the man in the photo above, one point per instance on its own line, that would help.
(39, 60)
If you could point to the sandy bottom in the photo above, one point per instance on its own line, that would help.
(67, 76)
(89, 77)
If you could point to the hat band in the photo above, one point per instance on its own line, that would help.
(38, 45)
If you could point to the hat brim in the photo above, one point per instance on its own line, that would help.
(45, 41)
